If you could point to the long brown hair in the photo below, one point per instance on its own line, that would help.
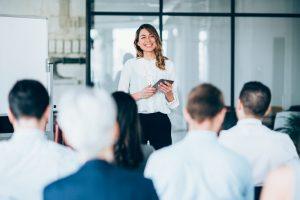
(160, 59)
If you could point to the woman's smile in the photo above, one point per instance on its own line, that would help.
(146, 41)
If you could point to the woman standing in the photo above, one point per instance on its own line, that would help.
(138, 78)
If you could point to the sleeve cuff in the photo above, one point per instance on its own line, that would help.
(173, 104)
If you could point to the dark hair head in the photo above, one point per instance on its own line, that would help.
(160, 59)
(127, 150)
(28, 98)
(256, 98)
(204, 102)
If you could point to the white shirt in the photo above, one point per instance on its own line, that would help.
(198, 167)
(29, 162)
(139, 73)
(263, 148)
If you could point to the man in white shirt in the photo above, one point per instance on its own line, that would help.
(263, 148)
(29, 161)
(199, 167)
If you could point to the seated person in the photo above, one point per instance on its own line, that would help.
(283, 183)
(263, 148)
(88, 120)
(29, 161)
(289, 122)
(198, 167)
(128, 149)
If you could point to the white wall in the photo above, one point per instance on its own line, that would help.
(66, 34)
(66, 20)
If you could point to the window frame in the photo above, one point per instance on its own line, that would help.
(90, 13)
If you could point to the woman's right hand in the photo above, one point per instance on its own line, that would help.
(146, 93)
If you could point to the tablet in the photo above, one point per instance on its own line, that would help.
(162, 80)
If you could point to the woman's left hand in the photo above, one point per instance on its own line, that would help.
(167, 89)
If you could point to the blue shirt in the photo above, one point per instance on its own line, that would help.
(199, 167)
(99, 180)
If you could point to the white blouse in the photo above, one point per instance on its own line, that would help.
(138, 73)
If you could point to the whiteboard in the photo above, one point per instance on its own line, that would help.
(23, 53)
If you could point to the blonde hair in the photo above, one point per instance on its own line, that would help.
(160, 59)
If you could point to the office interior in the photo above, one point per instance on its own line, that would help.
(223, 42)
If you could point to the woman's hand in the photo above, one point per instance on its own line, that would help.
(146, 93)
(167, 89)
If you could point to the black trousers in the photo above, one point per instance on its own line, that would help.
(156, 128)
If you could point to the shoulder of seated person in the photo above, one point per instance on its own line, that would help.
(280, 136)
(60, 148)
(167, 154)
(228, 133)
(58, 184)
(61, 153)
(4, 144)
(133, 176)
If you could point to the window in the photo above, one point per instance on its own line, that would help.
(267, 50)
(224, 42)
(112, 45)
(268, 6)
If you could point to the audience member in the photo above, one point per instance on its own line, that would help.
(295, 108)
(288, 122)
(283, 183)
(128, 149)
(88, 119)
(263, 148)
(29, 161)
(198, 167)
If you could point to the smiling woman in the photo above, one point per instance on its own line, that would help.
(138, 77)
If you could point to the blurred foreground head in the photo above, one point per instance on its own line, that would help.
(87, 118)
